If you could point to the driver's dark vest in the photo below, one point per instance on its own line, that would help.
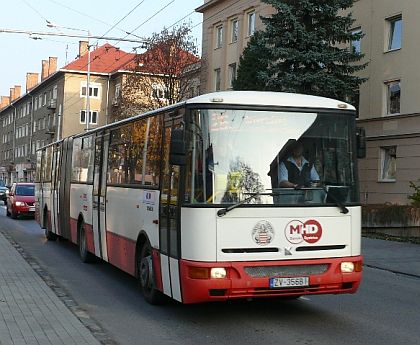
(300, 177)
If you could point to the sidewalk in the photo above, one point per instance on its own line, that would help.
(398, 257)
(30, 312)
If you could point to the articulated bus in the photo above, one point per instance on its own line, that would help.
(190, 198)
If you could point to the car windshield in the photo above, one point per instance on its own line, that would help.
(235, 153)
(25, 190)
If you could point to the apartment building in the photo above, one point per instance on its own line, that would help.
(389, 107)
(75, 99)
(227, 27)
(56, 107)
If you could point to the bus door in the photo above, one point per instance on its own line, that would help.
(170, 220)
(55, 187)
(99, 194)
(64, 188)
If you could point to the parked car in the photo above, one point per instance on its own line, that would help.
(21, 200)
(4, 191)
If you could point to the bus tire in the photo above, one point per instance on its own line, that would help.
(146, 276)
(7, 212)
(49, 235)
(84, 254)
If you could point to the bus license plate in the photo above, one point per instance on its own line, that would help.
(288, 282)
(31, 209)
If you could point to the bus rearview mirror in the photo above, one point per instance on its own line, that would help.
(361, 142)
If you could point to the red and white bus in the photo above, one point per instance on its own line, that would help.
(190, 200)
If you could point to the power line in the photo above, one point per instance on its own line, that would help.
(34, 9)
(91, 17)
(131, 11)
(154, 15)
(100, 55)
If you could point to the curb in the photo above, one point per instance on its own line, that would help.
(393, 271)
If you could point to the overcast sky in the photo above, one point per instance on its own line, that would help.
(21, 54)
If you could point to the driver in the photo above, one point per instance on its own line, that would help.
(296, 171)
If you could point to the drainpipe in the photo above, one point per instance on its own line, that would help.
(107, 99)
(14, 141)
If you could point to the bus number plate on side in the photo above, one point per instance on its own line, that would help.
(288, 282)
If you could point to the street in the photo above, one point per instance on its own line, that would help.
(384, 311)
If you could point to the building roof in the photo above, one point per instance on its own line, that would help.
(104, 59)
(207, 4)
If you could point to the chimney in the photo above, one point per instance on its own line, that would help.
(44, 70)
(83, 48)
(5, 101)
(52, 65)
(18, 90)
(15, 93)
(31, 80)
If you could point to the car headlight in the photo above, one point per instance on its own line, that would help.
(19, 203)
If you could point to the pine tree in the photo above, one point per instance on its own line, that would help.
(306, 49)
(254, 54)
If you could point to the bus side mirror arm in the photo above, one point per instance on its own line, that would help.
(361, 142)
(177, 152)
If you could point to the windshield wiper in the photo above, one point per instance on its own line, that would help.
(225, 210)
(339, 204)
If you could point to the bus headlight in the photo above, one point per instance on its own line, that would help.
(347, 267)
(218, 273)
(19, 203)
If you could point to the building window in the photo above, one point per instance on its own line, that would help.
(388, 164)
(93, 90)
(393, 97)
(219, 36)
(54, 92)
(93, 117)
(355, 44)
(232, 74)
(395, 33)
(235, 30)
(159, 92)
(44, 100)
(217, 79)
(251, 23)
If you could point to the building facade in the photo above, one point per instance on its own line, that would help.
(389, 107)
(227, 27)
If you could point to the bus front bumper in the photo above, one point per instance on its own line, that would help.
(252, 279)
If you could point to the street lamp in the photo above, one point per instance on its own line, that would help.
(87, 111)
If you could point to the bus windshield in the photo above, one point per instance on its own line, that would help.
(286, 158)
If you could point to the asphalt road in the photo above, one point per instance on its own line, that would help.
(386, 310)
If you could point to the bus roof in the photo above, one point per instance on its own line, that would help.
(274, 99)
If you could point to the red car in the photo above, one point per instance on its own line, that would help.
(21, 200)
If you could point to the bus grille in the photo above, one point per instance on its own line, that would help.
(285, 271)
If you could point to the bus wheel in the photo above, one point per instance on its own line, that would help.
(146, 276)
(50, 236)
(85, 256)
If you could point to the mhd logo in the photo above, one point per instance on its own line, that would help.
(296, 231)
